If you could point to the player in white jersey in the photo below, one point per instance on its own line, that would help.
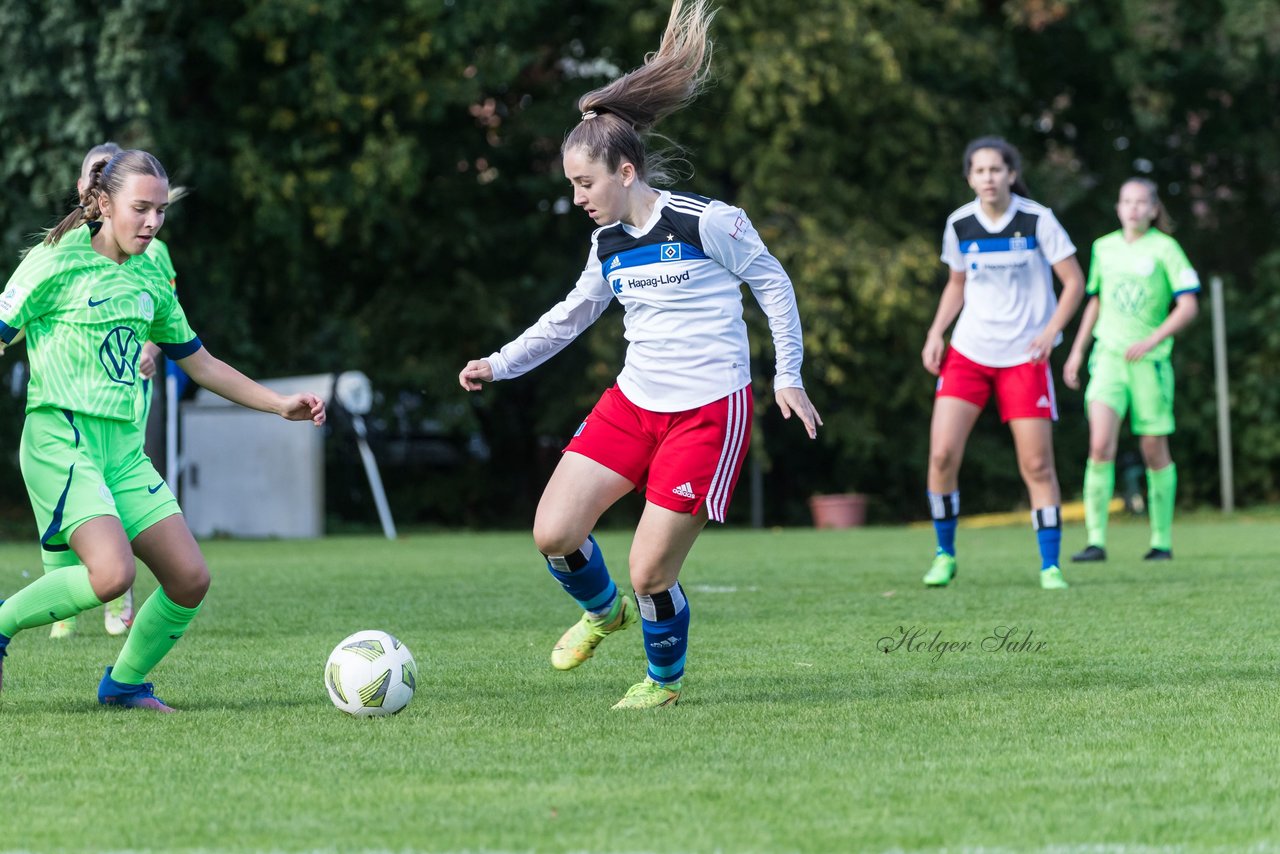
(1002, 250)
(677, 423)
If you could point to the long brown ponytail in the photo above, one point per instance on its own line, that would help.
(617, 118)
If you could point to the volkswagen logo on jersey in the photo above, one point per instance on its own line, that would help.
(1131, 296)
(119, 355)
(669, 252)
(146, 306)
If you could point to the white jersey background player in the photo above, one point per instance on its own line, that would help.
(1002, 250)
(678, 422)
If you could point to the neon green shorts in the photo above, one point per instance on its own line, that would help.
(78, 467)
(1142, 389)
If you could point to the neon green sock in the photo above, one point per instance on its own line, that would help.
(156, 628)
(1162, 489)
(1099, 486)
(57, 595)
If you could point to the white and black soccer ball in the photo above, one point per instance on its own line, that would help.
(371, 673)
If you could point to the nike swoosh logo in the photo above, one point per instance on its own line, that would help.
(174, 637)
(95, 304)
(154, 489)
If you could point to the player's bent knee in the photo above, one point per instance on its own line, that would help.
(944, 459)
(1102, 453)
(647, 579)
(189, 587)
(111, 579)
(556, 540)
(1038, 469)
(200, 581)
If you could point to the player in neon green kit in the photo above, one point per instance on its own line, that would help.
(87, 302)
(1135, 274)
(118, 613)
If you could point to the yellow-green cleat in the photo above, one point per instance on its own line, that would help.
(63, 629)
(1051, 579)
(579, 643)
(650, 695)
(942, 572)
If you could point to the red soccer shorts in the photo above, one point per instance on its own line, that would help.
(679, 460)
(1022, 391)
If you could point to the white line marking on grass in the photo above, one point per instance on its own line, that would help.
(721, 588)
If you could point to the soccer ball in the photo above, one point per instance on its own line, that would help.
(371, 673)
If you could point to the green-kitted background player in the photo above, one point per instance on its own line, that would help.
(1135, 275)
(88, 302)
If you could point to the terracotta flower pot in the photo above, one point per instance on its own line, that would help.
(845, 510)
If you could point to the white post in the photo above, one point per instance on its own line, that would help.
(1220, 380)
(375, 479)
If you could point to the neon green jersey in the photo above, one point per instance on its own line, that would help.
(158, 254)
(1137, 282)
(86, 319)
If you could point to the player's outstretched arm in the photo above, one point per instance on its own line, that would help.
(476, 372)
(225, 381)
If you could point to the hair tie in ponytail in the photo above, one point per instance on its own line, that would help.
(589, 114)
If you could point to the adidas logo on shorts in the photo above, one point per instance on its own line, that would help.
(685, 490)
(1043, 403)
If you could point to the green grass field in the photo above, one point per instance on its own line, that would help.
(1143, 714)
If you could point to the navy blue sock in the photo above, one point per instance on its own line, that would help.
(1048, 524)
(945, 510)
(664, 617)
(584, 576)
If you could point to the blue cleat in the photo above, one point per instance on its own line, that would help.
(113, 693)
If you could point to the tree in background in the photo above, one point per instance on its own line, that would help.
(380, 181)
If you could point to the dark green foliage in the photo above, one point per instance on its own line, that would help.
(376, 186)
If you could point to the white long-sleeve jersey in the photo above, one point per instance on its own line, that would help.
(679, 280)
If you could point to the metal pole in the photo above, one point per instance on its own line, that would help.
(1220, 380)
(375, 479)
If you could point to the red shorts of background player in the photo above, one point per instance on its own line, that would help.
(1022, 391)
(679, 460)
